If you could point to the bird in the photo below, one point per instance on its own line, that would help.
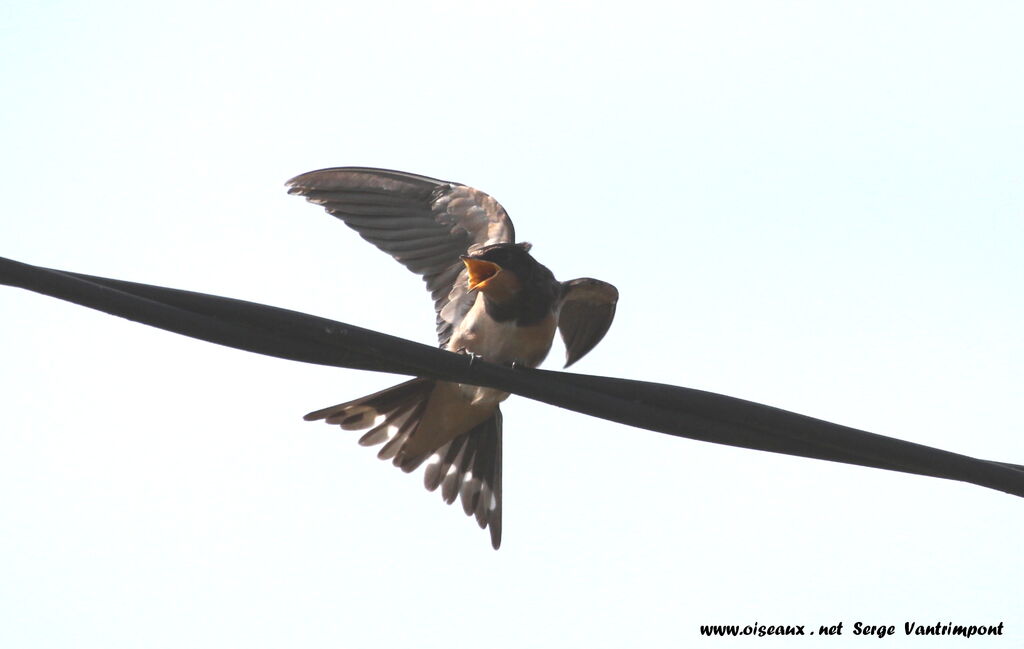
(492, 300)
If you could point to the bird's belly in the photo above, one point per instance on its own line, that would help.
(500, 342)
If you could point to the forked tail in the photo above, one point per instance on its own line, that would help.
(420, 419)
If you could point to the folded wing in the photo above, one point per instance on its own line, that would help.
(587, 311)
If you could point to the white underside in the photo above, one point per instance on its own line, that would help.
(498, 342)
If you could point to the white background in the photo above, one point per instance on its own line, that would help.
(818, 206)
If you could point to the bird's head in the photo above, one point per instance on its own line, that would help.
(499, 271)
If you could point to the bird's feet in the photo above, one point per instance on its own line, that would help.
(472, 357)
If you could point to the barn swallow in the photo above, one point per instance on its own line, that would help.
(492, 299)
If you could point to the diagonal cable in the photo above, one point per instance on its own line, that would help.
(683, 412)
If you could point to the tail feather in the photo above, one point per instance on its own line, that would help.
(454, 474)
(404, 425)
(467, 466)
(361, 413)
(486, 484)
(377, 435)
(436, 472)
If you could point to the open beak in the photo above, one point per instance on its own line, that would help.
(481, 272)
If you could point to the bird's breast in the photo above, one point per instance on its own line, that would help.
(500, 342)
(503, 342)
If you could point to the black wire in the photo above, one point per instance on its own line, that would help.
(683, 412)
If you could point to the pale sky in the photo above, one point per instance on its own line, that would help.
(814, 205)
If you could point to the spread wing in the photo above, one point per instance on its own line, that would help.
(588, 307)
(424, 223)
